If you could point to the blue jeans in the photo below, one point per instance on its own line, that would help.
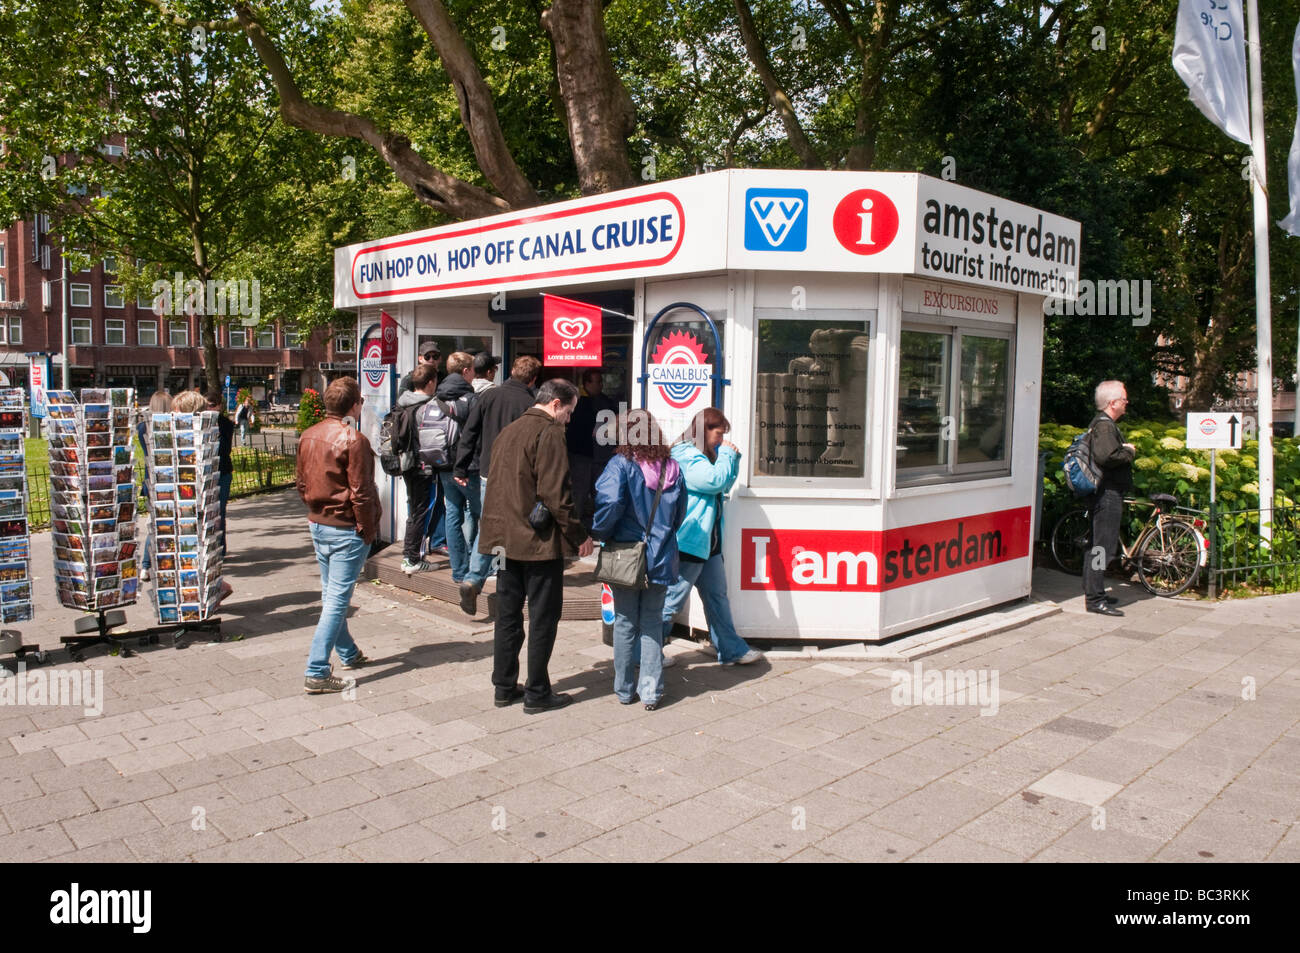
(639, 640)
(463, 508)
(711, 579)
(480, 566)
(341, 553)
(243, 433)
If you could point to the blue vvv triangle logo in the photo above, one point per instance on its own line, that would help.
(776, 219)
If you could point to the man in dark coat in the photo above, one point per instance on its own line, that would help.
(531, 465)
(495, 409)
(1114, 458)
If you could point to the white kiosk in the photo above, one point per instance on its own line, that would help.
(874, 338)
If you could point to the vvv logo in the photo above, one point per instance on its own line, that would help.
(776, 219)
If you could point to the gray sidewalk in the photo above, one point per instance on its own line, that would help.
(1171, 734)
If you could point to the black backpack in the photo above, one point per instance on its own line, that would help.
(395, 440)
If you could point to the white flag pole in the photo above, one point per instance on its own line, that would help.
(1263, 294)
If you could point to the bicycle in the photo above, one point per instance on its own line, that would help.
(1167, 554)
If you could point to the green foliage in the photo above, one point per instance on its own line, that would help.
(311, 409)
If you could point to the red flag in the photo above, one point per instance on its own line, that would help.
(387, 338)
(572, 333)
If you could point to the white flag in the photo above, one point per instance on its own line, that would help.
(1292, 222)
(1210, 57)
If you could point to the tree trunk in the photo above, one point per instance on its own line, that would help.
(776, 94)
(598, 108)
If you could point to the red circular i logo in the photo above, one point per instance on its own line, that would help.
(865, 221)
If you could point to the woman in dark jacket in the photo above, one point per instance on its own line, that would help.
(625, 497)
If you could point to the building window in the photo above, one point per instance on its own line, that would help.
(144, 300)
(113, 297)
(4, 287)
(110, 264)
(345, 343)
(109, 149)
(146, 333)
(238, 337)
(954, 403)
(292, 338)
(811, 399)
(81, 330)
(178, 334)
(11, 330)
(79, 296)
(2, 254)
(114, 331)
(266, 338)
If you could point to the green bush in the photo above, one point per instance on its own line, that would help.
(1163, 464)
(311, 409)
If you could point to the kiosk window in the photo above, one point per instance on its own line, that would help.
(811, 397)
(953, 404)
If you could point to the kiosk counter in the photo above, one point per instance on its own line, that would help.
(874, 338)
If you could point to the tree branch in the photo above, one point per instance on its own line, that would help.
(776, 94)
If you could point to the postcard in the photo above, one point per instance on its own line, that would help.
(167, 597)
(16, 612)
(168, 614)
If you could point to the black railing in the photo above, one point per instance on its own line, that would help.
(256, 471)
(1239, 558)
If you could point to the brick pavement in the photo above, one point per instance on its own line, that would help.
(1114, 739)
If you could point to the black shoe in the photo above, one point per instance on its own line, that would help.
(1104, 609)
(1111, 601)
(469, 598)
(508, 696)
(549, 703)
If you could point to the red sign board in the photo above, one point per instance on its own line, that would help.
(791, 560)
(571, 333)
(387, 338)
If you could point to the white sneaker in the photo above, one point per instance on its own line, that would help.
(145, 575)
(411, 568)
(669, 660)
(753, 655)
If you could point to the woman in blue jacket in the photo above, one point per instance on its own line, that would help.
(625, 496)
(710, 464)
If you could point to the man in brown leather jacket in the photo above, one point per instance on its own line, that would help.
(336, 479)
(530, 464)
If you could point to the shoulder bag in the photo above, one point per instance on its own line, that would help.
(624, 564)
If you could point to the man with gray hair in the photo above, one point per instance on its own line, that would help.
(1114, 459)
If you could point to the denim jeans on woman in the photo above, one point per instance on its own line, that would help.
(639, 641)
(711, 579)
(341, 553)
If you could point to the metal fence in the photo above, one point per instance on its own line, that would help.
(1239, 558)
(256, 471)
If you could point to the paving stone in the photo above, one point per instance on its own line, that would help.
(242, 821)
(409, 844)
(149, 759)
(263, 784)
(455, 760)
(955, 849)
(48, 809)
(394, 777)
(1226, 836)
(1076, 787)
(34, 845)
(93, 750)
(327, 831)
(493, 849)
(635, 842)
(169, 732)
(118, 822)
(863, 841)
(128, 790)
(1108, 844)
(1018, 837)
(934, 811)
(49, 738)
(261, 849)
(329, 796)
(174, 843)
(202, 771)
(109, 852)
(403, 808)
(336, 764)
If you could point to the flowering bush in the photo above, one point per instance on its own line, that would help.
(311, 409)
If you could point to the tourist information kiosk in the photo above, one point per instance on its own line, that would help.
(875, 340)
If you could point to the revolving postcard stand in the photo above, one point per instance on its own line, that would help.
(15, 541)
(187, 534)
(93, 506)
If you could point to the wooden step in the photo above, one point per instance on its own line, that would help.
(581, 591)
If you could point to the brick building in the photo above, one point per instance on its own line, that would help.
(117, 342)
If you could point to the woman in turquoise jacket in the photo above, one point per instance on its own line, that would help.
(709, 464)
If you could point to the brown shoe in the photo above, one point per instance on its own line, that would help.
(323, 686)
(469, 598)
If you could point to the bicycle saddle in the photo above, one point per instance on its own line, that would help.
(1166, 502)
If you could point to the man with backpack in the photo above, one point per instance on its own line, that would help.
(462, 503)
(1112, 460)
(416, 410)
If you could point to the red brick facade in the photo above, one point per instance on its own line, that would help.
(147, 351)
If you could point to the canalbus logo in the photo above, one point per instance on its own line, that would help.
(372, 364)
(679, 368)
(93, 907)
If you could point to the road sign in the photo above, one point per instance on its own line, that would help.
(227, 380)
(1214, 431)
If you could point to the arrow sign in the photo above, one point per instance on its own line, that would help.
(1213, 432)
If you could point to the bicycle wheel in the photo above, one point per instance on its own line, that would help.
(1070, 540)
(1168, 561)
